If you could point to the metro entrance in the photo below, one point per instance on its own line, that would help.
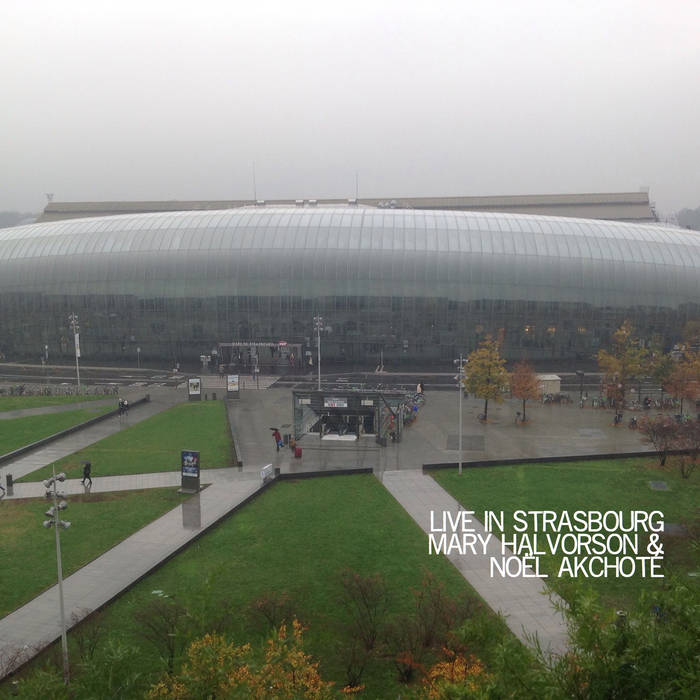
(350, 414)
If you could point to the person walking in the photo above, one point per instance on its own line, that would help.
(278, 438)
(87, 469)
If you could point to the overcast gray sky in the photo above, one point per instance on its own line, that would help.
(177, 100)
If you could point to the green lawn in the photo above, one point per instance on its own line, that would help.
(17, 432)
(154, 445)
(98, 521)
(588, 485)
(14, 403)
(296, 537)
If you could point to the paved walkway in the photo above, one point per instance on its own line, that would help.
(160, 400)
(132, 482)
(36, 625)
(524, 602)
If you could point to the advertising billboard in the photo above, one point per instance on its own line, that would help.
(190, 463)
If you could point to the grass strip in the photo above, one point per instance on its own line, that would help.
(98, 522)
(18, 432)
(603, 485)
(154, 444)
(16, 403)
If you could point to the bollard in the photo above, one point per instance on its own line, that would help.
(9, 482)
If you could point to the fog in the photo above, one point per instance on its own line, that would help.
(170, 100)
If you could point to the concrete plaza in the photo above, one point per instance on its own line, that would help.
(552, 430)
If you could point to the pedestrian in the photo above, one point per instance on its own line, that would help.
(126, 407)
(121, 406)
(87, 468)
(278, 438)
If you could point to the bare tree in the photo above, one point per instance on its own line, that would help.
(273, 608)
(661, 432)
(161, 624)
(89, 633)
(366, 600)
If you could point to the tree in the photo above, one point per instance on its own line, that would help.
(687, 438)
(486, 373)
(650, 652)
(691, 333)
(273, 607)
(684, 382)
(454, 673)
(366, 599)
(627, 361)
(162, 622)
(524, 384)
(661, 432)
(216, 668)
(660, 364)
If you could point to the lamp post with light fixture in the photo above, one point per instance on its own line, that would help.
(318, 322)
(73, 319)
(460, 387)
(55, 521)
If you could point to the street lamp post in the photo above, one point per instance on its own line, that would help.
(54, 519)
(318, 321)
(580, 375)
(45, 362)
(460, 388)
(138, 357)
(73, 318)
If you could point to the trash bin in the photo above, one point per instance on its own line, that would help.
(286, 438)
(9, 482)
(297, 452)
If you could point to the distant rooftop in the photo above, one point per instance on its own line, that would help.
(617, 206)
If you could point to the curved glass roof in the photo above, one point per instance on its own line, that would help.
(477, 254)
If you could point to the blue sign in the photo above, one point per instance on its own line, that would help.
(190, 463)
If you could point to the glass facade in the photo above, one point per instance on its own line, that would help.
(418, 286)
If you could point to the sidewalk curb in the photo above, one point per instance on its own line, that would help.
(545, 460)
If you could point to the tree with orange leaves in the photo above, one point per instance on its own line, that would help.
(217, 668)
(455, 671)
(524, 384)
(684, 382)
